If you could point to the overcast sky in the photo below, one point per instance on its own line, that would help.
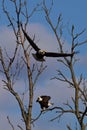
(73, 12)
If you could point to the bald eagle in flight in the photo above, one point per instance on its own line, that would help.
(39, 55)
(44, 102)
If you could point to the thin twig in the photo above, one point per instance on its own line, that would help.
(10, 123)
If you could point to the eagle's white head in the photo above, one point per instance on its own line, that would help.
(39, 99)
(42, 52)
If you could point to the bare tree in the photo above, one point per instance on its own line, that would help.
(80, 89)
(14, 62)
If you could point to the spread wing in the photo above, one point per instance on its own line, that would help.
(45, 98)
(30, 41)
(53, 54)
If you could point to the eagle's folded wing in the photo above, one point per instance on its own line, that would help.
(45, 98)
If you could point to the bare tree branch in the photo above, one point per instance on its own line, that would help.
(69, 127)
(10, 123)
(33, 120)
(20, 127)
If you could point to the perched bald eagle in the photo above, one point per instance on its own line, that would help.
(39, 55)
(44, 102)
